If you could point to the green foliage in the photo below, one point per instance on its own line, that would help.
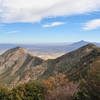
(4, 94)
(29, 91)
(89, 88)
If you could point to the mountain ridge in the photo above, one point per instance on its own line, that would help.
(67, 62)
(17, 65)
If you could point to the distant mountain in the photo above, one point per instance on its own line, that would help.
(75, 46)
(46, 48)
(18, 64)
(74, 64)
(79, 44)
(42, 49)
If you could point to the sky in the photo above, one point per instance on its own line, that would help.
(49, 21)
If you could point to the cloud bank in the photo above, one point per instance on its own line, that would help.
(93, 24)
(12, 11)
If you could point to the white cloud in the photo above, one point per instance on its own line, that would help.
(4, 31)
(53, 24)
(93, 24)
(10, 32)
(36, 10)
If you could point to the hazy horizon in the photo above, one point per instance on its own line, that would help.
(50, 43)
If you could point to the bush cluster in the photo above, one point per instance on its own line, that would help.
(29, 91)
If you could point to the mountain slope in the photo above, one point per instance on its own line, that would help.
(83, 67)
(72, 62)
(17, 65)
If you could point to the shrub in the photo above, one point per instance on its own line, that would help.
(59, 88)
(89, 88)
(29, 91)
(4, 94)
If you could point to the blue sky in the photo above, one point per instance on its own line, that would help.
(67, 26)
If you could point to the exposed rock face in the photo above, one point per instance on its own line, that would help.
(19, 65)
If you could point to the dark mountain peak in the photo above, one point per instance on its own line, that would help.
(80, 52)
(86, 49)
(16, 53)
(82, 42)
(17, 50)
(90, 46)
(18, 47)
